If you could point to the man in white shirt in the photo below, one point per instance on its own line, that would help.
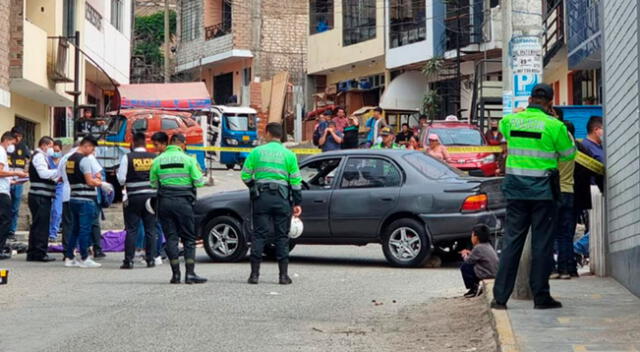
(43, 189)
(7, 145)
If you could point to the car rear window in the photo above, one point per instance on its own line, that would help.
(458, 136)
(431, 167)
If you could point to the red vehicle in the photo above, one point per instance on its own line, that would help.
(462, 134)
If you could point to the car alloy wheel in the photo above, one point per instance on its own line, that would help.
(404, 244)
(223, 239)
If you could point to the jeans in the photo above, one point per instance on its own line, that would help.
(469, 277)
(96, 232)
(159, 240)
(16, 198)
(565, 231)
(56, 213)
(83, 214)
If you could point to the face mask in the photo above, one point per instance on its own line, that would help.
(56, 155)
(50, 151)
(11, 149)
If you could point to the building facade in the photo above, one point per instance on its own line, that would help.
(621, 63)
(229, 44)
(41, 60)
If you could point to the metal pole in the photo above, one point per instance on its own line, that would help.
(76, 86)
(167, 49)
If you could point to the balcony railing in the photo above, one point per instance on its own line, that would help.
(554, 31)
(217, 30)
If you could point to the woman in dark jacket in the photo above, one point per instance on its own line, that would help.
(350, 138)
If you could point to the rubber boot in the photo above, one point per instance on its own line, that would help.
(191, 277)
(284, 276)
(255, 272)
(175, 269)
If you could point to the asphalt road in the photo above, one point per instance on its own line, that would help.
(46, 307)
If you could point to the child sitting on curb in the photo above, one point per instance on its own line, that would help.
(480, 263)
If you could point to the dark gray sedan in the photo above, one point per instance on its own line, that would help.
(409, 202)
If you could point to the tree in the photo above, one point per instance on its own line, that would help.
(148, 41)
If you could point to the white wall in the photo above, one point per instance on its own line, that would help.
(110, 48)
(412, 53)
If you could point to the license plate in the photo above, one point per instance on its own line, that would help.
(246, 138)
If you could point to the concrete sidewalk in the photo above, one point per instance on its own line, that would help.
(599, 314)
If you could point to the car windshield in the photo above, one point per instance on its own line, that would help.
(431, 167)
(241, 122)
(458, 136)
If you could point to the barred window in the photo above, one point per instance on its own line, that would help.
(117, 12)
(407, 22)
(93, 17)
(321, 16)
(359, 21)
(190, 20)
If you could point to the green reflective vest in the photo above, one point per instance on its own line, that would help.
(174, 173)
(382, 146)
(272, 163)
(535, 144)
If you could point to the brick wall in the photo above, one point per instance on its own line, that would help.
(241, 23)
(4, 45)
(16, 38)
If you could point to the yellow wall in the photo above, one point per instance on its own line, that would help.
(46, 14)
(558, 72)
(326, 50)
(357, 72)
(27, 109)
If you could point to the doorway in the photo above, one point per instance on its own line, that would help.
(222, 88)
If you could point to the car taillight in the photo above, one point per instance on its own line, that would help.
(475, 203)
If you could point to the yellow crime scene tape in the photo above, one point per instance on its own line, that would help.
(581, 158)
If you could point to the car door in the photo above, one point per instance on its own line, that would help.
(319, 180)
(368, 191)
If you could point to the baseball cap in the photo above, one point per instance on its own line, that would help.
(386, 131)
(542, 90)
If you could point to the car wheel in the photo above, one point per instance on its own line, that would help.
(406, 244)
(223, 239)
(270, 250)
(230, 166)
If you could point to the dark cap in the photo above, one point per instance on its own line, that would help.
(89, 139)
(17, 130)
(378, 109)
(542, 90)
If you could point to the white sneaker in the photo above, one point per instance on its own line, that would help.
(158, 260)
(71, 263)
(88, 264)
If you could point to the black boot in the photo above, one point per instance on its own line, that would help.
(284, 276)
(126, 265)
(255, 272)
(191, 277)
(175, 269)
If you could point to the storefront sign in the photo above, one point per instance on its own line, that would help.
(526, 64)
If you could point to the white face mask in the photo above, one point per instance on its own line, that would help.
(50, 151)
(11, 149)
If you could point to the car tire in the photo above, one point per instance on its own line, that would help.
(405, 243)
(230, 166)
(233, 241)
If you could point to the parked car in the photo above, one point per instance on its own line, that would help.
(409, 202)
(462, 134)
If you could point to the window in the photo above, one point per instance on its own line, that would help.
(359, 21)
(68, 18)
(91, 15)
(139, 125)
(319, 174)
(321, 16)
(117, 11)
(407, 22)
(458, 136)
(190, 20)
(169, 123)
(239, 122)
(430, 167)
(370, 173)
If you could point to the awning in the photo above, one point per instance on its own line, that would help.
(167, 96)
(405, 93)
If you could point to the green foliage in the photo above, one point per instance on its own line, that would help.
(432, 99)
(149, 36)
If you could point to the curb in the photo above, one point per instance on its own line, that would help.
(501, 323)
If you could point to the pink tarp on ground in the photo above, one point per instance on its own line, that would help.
(168, 96)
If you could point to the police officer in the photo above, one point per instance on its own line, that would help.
(535, 142)
(43, 190)
(176, 176)
(388, 140)
(18, 161)
(271, 172)
(133, 174)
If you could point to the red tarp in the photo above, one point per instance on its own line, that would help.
(168, 96)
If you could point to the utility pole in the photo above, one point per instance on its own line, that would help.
(76, 85)
(522, 31)
(167, 39)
